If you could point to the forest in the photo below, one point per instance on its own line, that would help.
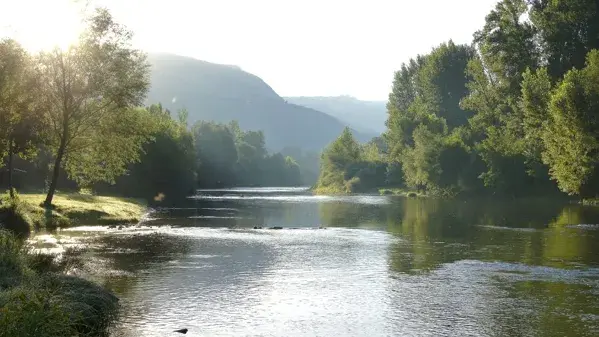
(513, 113)
(75, 119)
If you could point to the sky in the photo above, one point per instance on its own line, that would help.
(298, 47)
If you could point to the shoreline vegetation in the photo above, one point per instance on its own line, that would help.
(40, 294)
(511, 114)
(74, 119)
(24, 213)
(40, 297)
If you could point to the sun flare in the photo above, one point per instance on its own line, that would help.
(52, 24)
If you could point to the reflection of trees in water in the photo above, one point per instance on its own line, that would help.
(434, 232)
(352, 215)
(527, 231)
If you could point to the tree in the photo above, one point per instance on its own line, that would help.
(536, 95)
(424, 109)
(507, 48)
(572, 135)
(89, 93)
(167, 168)
(20, 125)
(216, 152)
(568, 29)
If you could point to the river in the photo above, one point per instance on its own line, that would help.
(381, 266)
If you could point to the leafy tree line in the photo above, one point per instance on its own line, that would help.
(181, 158)
(513, 113)
(74, 119)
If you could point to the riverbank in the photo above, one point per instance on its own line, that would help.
(374, 191)
(39, 297)
(25, 213)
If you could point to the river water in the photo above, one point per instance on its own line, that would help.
(381, 266)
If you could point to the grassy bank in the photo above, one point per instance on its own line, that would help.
(39, 298)
(26, 212)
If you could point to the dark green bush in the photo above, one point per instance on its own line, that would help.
(14, 215)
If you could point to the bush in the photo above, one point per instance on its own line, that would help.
(92, 308)
(13, 268)
(14, 215)
(30, 311)
(353, 185)
(36, 299)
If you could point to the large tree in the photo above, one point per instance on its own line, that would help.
(568, 30)
(572, 134)
(20, 125)
(90, 91)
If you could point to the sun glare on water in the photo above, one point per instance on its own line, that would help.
(41, 25)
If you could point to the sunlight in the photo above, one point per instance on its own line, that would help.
(52, 24)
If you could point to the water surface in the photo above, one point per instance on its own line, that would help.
(384, 266)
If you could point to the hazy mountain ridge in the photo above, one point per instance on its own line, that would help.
(222, 93)
(364, 116)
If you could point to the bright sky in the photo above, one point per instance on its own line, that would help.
(299, 47)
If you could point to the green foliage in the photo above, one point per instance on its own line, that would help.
(569, 30)
(500, 120)
(349, 167)
(229, 156)
(536, 95)
(167, 166)
(89, 95)
(12, 260)
(33, 312)
(16, 215)
(572, 135)
(20, 123)
(41, 301)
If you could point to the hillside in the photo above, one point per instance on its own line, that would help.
(364, 116)
(222, 93)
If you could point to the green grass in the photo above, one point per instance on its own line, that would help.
(37, 298)
(85, 209)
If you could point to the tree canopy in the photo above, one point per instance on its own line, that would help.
(513, 113)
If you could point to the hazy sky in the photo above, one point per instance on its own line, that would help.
(299, 47)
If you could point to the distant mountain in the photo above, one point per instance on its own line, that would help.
(364, 116)
(223, 93)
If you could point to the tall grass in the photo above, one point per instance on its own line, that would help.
(38, 299)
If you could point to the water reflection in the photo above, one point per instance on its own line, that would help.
(385, 266)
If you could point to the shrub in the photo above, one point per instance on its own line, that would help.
(30, 311)
(14, 215)
(353, 185)
(36, 299)
(13, 268)
(92, 308)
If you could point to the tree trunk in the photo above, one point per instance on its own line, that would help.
(11, 191)
(55, 173)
